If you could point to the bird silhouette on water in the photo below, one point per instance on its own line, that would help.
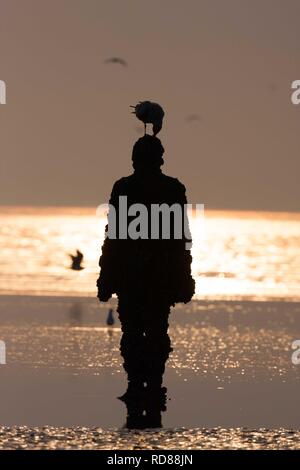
(110, 321)
(76, 261)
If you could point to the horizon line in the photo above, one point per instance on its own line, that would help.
(91, 210)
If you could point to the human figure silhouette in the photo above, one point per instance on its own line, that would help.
(148, 276)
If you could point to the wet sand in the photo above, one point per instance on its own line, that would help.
(230, 379)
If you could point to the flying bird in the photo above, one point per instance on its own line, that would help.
(116, 60)
(76, 261)
(149, 113)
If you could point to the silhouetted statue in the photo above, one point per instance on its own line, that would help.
(76, 261)
(148, 276)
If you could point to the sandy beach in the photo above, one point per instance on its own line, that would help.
(230, 379)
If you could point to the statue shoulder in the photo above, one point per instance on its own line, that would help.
(174, 183)
(121, 184)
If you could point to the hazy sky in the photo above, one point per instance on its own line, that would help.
(67, 132)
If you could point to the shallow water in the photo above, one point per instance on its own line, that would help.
(231, 368)
(235, 254)
(47, 437)
(230, 380)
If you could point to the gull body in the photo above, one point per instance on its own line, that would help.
(149, 113)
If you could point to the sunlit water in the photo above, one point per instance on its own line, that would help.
(235, 254)
(53, 438)
(65, 363)
(64, 372)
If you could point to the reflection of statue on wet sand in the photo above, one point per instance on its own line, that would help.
(144, 409)
(75, 314)
(76, 261)
(148, 276)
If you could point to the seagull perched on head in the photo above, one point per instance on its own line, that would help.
(116, 60)
(149, 113)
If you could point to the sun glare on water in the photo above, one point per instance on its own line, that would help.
(235, 254)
